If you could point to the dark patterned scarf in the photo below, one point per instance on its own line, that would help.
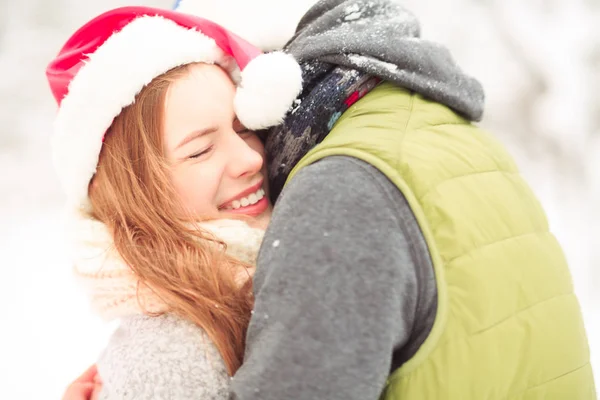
(327, 92)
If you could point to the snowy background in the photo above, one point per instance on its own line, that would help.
(539, 61)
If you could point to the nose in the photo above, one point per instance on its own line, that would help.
(243, 159)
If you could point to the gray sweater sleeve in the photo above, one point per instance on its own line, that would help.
(152, 358)
(343, 287)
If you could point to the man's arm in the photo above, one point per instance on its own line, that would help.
(337, 288)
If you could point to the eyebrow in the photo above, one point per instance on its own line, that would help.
(195, 135)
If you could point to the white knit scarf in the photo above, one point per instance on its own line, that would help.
(112, 286)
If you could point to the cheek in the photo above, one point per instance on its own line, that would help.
(196, 190)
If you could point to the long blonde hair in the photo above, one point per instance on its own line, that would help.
(131, 193)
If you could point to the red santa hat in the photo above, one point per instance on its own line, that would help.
(108, 61)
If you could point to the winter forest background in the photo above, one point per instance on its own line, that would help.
(539, 61)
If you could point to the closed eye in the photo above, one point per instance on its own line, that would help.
(203, 152)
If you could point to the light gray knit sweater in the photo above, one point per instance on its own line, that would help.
(160, 358)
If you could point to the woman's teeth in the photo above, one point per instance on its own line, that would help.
(246, 201)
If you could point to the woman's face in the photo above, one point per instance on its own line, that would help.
(217, 165)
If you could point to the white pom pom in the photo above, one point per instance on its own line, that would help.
(270, 84)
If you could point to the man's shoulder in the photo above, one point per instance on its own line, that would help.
(343, 180)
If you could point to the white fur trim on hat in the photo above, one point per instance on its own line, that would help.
(109, 81)
(270, 84)
(267, 24)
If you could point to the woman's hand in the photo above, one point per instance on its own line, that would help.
(86, 387)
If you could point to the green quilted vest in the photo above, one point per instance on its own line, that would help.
(508, 324)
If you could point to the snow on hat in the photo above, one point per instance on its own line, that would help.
(108, 61)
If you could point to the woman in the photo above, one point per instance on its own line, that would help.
(161, 178)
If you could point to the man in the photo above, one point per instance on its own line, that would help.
(406, 256)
